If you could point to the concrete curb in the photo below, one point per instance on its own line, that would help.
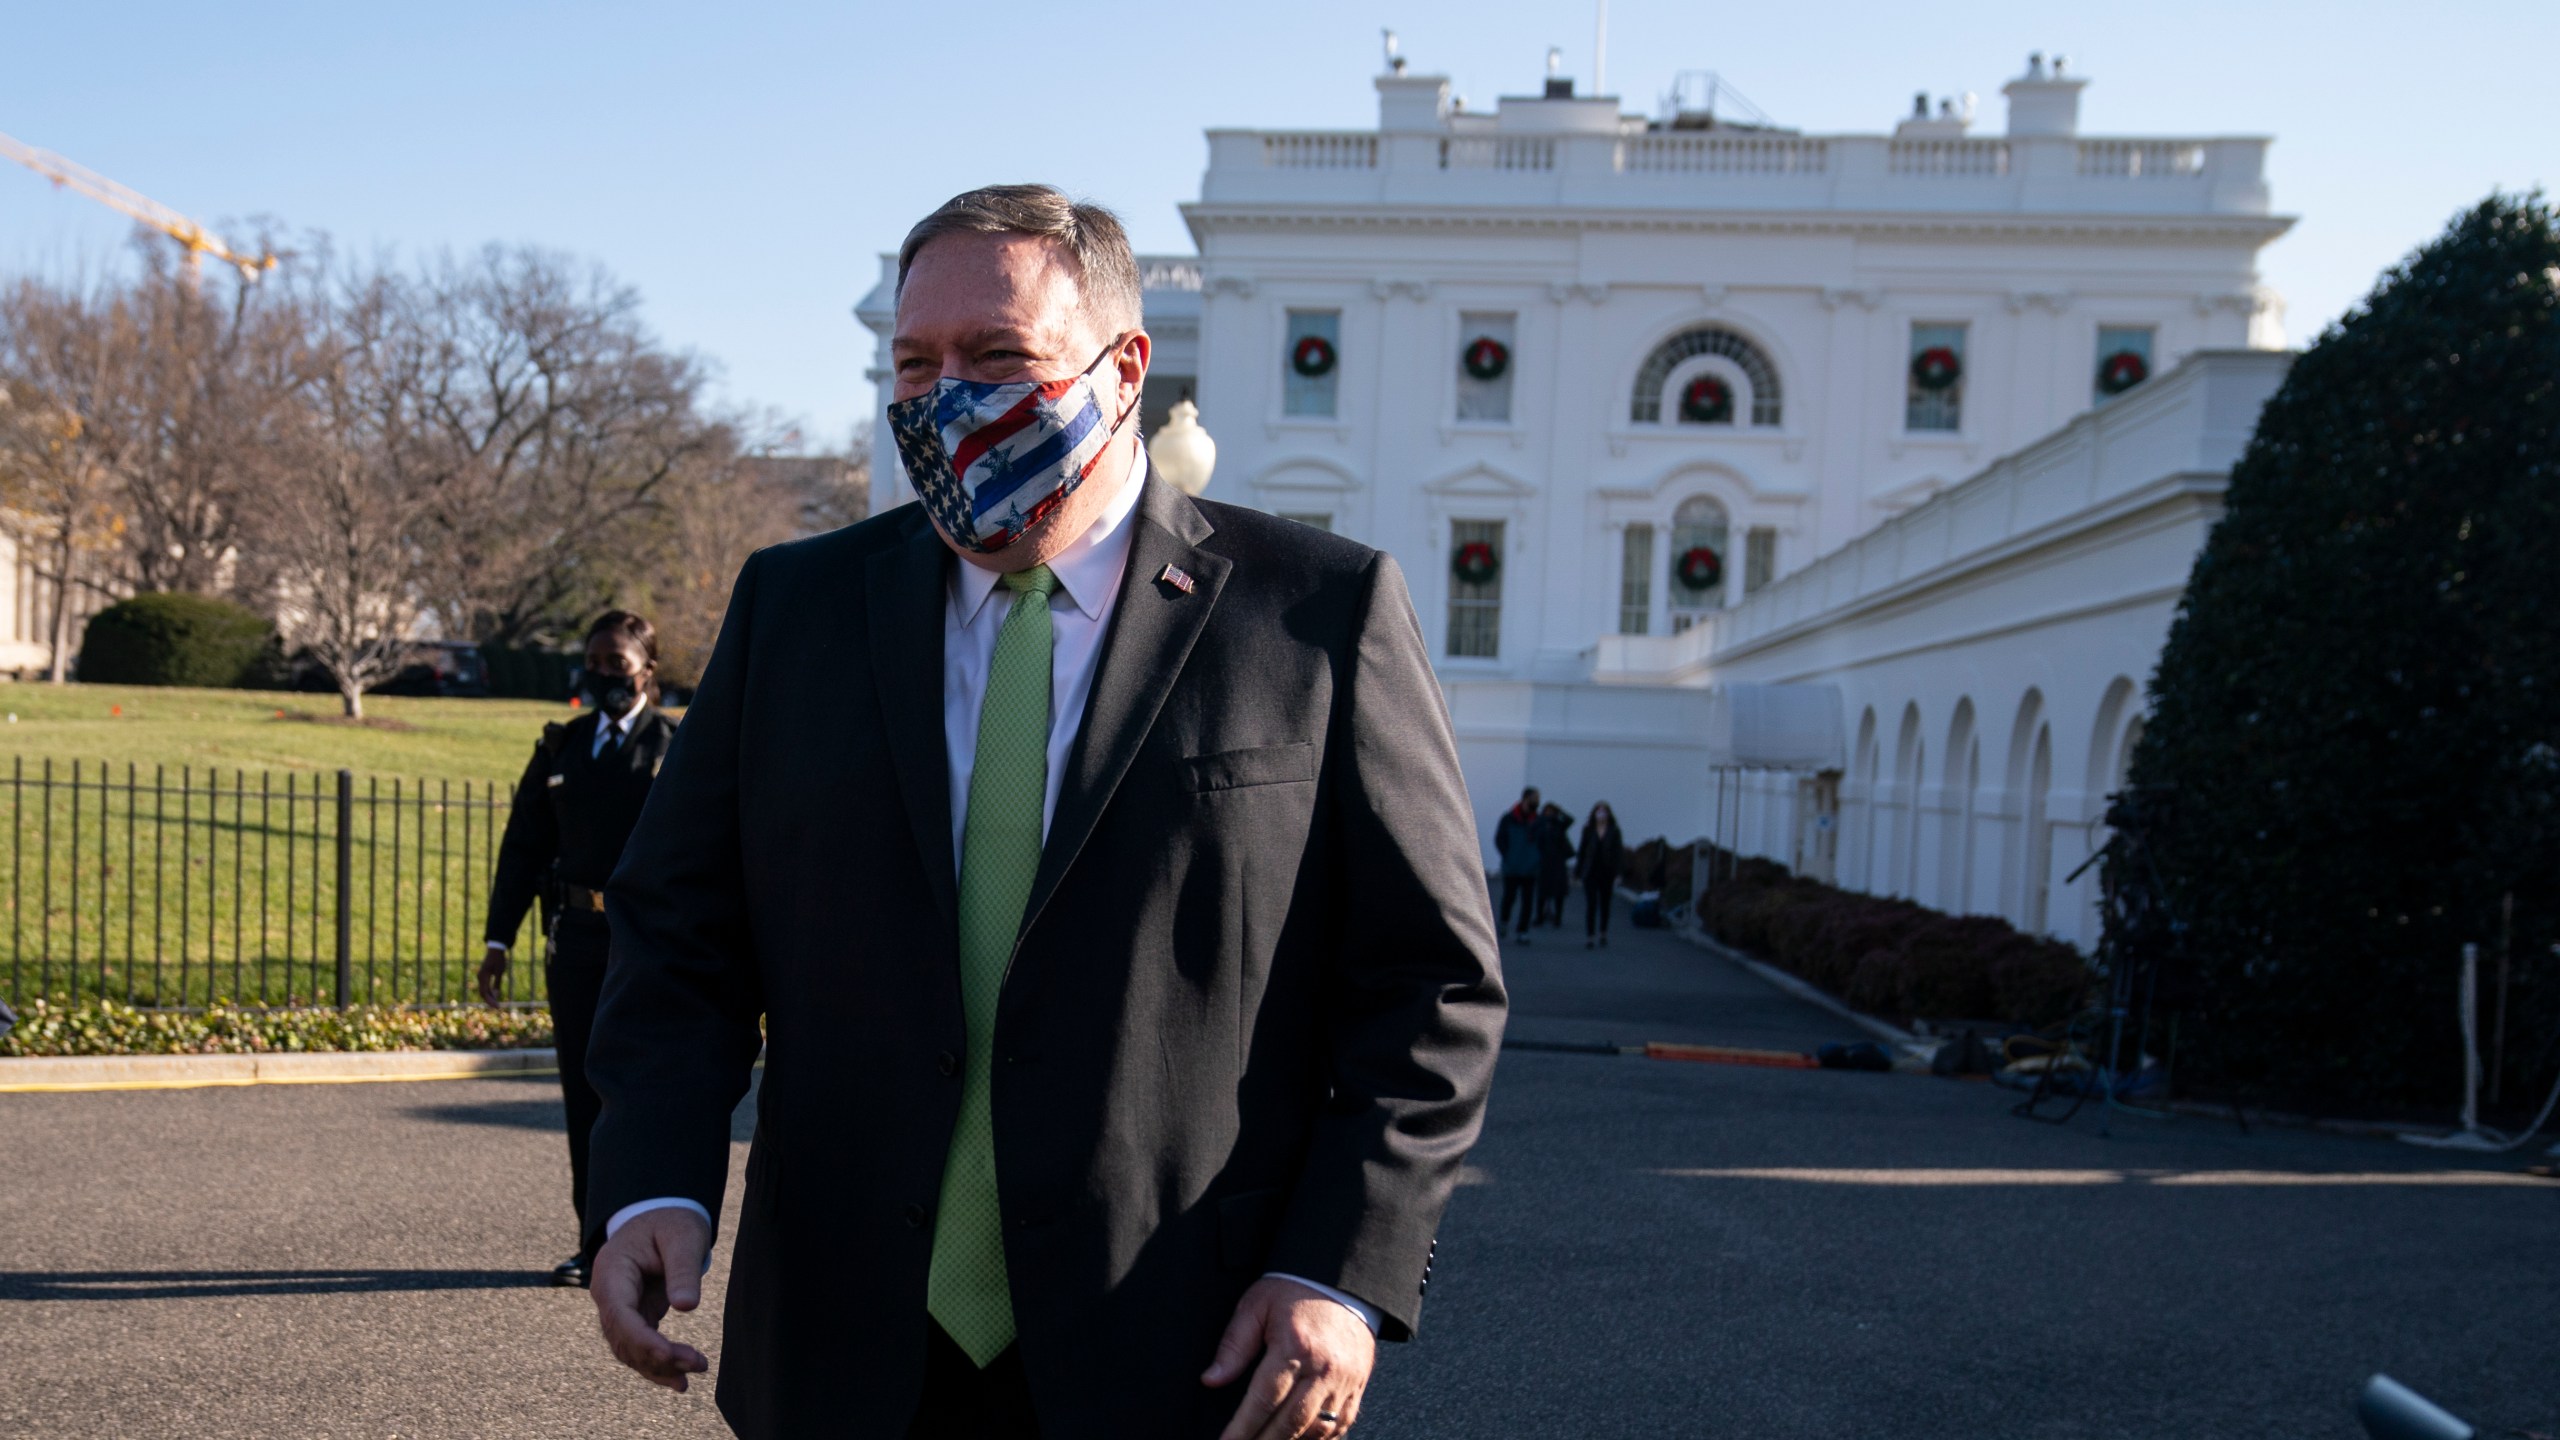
(185, 1072)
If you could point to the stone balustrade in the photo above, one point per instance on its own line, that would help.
(1741, 170)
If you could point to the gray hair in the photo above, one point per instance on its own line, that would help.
(1106, 273)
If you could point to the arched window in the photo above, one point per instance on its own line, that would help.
(1698, 523)
(1705, 340)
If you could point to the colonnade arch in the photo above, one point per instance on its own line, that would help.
(1962, 786)
(1961, 806)
(1910, 761)
(1859, 804)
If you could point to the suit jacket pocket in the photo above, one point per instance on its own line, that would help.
(1247, 1226)
(1262, 765)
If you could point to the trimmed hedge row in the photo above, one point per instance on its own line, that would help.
(179, 639)
(528, 672)
(108, 1028)
(1893, 957)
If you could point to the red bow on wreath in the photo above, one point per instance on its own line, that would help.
(1698, 568)
(1486, 358)
(1936, 368)
(1707, 401)
(2121, 372)
(1311, 356)
(1475, 562)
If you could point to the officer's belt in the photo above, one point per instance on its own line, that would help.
(579, 897)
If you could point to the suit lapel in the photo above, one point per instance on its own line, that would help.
(905, 588)
(1152, 629)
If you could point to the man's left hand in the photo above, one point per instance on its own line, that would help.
(1316, 1358)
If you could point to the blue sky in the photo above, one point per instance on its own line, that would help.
(743, 163)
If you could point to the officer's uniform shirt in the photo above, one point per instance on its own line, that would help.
(576, 805)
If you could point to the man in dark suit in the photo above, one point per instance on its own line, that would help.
(1097, 863)
(574, 807)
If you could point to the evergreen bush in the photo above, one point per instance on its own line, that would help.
(1895, 957)
(177, 639)
(2353, 748)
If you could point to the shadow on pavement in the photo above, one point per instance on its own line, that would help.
(542, 1114)
(198, 1284)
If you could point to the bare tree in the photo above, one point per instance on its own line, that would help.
(718, 510)
(555, 422)
(492, 447)
(65, 360)
(337, 522)
(208, 387)
(837, 493)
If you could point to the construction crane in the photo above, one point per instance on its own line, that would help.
(193, 238)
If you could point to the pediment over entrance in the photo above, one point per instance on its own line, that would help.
(1306, 474)
(1482, 482)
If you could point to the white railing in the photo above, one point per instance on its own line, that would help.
(1156, 273)
(2141, 159)
(1320, 150)
(1710, 169)
(1498, 152)
(2179, 424)
(1723, 155)
(1947, 157)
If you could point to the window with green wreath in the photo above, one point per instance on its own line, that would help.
(1311, 363)
(1698, 560)
(1933, 379)
(2124, 361)
(1475, 589)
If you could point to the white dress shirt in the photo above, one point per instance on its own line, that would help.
(617, 726)
(1089, 573)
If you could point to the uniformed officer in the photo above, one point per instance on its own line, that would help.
(573, 809)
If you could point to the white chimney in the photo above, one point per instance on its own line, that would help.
(2044, 102)
(1410, 103)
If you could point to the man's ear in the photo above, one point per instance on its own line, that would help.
(1130, 363)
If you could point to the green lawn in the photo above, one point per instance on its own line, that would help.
(238, 729)
(174, 847)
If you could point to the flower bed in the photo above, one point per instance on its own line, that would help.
(1893, 957)
(108, 1028)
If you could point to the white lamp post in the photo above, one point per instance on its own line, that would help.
(1183, 451)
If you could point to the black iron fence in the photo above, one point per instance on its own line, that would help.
(178, 890)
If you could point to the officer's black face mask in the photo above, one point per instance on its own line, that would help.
(611, 694)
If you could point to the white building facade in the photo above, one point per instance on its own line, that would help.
(1618, 392)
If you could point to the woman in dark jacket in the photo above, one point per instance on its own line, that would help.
(1603, 854)
(573, 810)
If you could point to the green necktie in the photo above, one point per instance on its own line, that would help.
(966, 1292)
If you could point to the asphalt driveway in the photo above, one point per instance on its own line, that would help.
(1642, 1248)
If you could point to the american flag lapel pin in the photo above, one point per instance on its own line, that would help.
(1178, 579)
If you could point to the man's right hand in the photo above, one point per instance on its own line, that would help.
(653, 1264)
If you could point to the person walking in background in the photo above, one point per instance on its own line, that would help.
(1555, 862)
(1603, 854)
(574, 808)
(1515, 839)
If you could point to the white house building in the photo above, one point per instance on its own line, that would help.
(1656, 412)
(26, 601)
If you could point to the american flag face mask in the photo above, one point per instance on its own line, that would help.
(990, 461)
